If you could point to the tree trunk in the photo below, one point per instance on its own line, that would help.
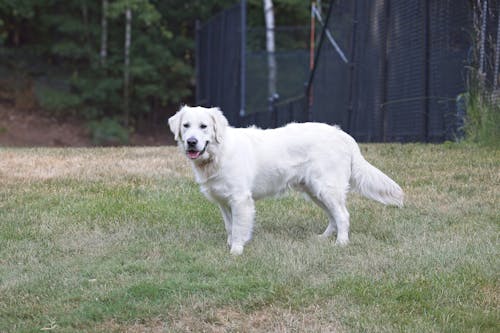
(126, 71)
(270, 49)
(104, 33)
(496, 75)
(482, 36)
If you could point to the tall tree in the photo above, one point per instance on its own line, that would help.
(148, 15)
(126, 68)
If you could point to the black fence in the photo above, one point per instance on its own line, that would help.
(281, 113)
(219, 79)
(407, 63)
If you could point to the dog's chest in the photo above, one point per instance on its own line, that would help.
(215, 191)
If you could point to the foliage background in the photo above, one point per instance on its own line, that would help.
(50, 53)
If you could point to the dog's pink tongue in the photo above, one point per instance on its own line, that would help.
(193, 154)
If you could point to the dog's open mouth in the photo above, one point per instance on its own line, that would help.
(193, 153)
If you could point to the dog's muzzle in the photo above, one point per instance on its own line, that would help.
(192, 150)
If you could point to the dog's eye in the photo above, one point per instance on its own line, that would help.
(203, 126)
(186, 125)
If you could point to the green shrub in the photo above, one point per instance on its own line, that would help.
(57, 102)
(108, 132)
(482, 124)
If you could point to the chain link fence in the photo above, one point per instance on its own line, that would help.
(407, 63)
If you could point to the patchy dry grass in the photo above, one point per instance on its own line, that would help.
(120, 240)
(94, 164)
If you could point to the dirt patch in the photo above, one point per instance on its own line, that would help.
(152, 326)
(20, 128)
(31, 128)
(270, 319)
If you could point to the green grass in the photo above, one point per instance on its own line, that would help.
(483, 118)
(121, 240)
(483, 112)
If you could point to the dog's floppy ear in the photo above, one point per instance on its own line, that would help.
(174, 123)
(220, 124)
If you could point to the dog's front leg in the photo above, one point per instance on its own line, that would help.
(226, 216)
(243, 213)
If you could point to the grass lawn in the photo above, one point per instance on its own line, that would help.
(121, 240)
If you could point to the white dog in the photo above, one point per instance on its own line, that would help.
(235, 166)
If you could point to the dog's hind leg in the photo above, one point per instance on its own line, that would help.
(332, 226)
(332, 200)
(339, 211)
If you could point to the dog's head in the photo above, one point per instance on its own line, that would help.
(197, 129)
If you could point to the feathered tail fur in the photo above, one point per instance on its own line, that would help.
(373, 183)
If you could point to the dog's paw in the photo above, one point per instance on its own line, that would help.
(342, 241)
(236, 249)
(322, 237)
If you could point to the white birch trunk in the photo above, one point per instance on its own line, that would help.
(496, 74)
(126, 71)
(270, 48)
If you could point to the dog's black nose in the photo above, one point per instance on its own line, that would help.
(192, 142)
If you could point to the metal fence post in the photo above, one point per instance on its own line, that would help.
(384, 123)
(352, 68)
(427, 69)
(316, 57)
(197, 57)
(243, 28)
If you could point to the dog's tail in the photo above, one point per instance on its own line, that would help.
(373, 183)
